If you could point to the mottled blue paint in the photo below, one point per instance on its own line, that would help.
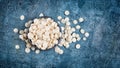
(102, 21)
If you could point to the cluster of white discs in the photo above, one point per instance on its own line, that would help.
(44, 33)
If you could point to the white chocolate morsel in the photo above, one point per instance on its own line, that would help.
(67, 12)
(86, 34)
(25, 30)
(63, 21)
(67, 19)
(28, 45)
(78, 27)
(58, 50)
(30, 35)
(67, 46)
(61, 51)
(21, 37)
(21, 32)
(59, 17)
(17, 47)
(77, 46)
(62, 28)
(73, 34)
(27, 50)
(73, 29)
(75, 21)
(67, 23)
(74, 39)
(78, 38)
(37, 51)
(81, 19)
(82, 31)
(27, 24)
(33, 48)
(15, 30)
(84, 38)
(22, 17)
(41, 14)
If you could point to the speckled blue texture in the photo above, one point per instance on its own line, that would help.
(102, 21)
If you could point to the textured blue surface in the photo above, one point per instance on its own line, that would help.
(102, 20)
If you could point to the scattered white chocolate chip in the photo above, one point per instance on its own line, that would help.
(77, 26)
(17, 47)
(41, 14)
(67, 12)
(82, 31)
(33, 48)
(37, 51)
(21, 37)
(81, 19)
(75, 21)
(58, 50)
(27, 24)
(86, 34)
(77, 46)
(27, 50)
(61, 51)
(15, 30)
(21, 32)
(84, 38)
(22, 17)
(59, 17)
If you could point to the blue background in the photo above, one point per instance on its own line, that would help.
(102, 21)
